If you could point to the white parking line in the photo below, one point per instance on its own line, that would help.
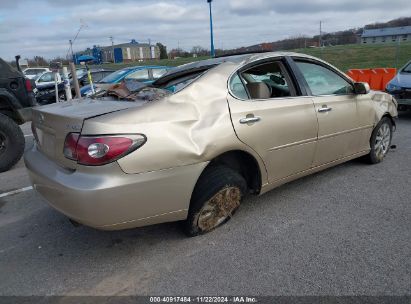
(15, 191)
(28, 135)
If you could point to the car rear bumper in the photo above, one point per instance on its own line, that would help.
(107, 198)
(25, 114)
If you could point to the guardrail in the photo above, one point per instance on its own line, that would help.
(377, 78)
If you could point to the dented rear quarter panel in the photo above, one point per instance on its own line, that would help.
(188, 127)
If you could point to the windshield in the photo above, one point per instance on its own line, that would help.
(80, 73)
(115, 77)
(407, 68)
(33, 71)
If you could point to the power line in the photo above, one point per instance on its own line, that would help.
(82, 25)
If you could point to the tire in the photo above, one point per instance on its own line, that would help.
(11, 143)
(380, 141)
(216, 196)
(62, 96)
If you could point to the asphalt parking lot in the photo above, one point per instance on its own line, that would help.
(343, 231)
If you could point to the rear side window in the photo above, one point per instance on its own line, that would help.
(323, 81)
(237, 87)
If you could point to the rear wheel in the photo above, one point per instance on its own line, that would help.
(380, 141)
(216, 197)
(11, 143)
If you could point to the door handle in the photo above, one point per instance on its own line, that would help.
(324, 109)
(247, 120)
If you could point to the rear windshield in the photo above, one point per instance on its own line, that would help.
(180, 83)
(33, 71)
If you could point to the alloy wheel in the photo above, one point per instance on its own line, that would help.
(382, 140)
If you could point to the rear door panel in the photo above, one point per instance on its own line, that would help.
(286, 135)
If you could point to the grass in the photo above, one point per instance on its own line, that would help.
(344, 57)
(360, 56)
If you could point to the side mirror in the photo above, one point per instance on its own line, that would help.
(361, 88)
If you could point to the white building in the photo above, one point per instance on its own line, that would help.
(387, 35)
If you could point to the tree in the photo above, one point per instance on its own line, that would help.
(163, 50)
(199, 50)
(38, 61)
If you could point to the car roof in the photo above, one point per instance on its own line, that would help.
(239, 59)
(36, 68)
(141, 67)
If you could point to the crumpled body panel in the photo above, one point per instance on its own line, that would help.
(191, 126)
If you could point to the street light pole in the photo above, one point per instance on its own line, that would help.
(112, 49)
(211, 30)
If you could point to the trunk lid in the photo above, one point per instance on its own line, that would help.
(53, 122)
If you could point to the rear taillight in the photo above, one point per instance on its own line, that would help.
(70, 146)
(29, 87)
(100, 150)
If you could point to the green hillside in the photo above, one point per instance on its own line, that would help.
(360, 56)
(343, 57)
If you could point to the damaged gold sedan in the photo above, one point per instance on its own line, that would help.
(191, 145)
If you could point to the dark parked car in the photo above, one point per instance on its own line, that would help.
(16, 100)
(45, 93)
(400, 87)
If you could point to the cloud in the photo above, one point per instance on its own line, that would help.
(44, 27)
(245, 7)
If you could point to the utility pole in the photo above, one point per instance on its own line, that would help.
(397, 51)
(211, 30)
(319, 37)
(149, 48)
(112, 48)
(71, 49)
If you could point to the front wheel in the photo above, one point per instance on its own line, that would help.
(380, 141)
(216, 197)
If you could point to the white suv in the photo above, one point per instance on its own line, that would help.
(31, 73)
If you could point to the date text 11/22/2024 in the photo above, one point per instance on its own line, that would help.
(203, 299)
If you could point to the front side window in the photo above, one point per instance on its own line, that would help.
(264, 81)
(323, 81)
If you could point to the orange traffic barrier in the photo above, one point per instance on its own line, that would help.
(387, 75)
(365, 76)
(376, 81)
(354, 73)
(377, 78)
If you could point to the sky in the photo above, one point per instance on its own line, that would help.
(44, 27)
